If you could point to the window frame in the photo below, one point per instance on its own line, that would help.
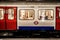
(45, 10)
(26, 19)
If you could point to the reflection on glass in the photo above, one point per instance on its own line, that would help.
(26, 14)
(1, 14)
(10, 14)
(45, 14)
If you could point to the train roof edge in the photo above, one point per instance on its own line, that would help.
(29, 0)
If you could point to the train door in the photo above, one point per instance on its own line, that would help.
(57, 18)
(11, 18)
(2, 18)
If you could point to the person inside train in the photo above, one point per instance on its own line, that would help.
(42, 15)
(26, 14)
(48, 15)
(31, 14)
(22, 14)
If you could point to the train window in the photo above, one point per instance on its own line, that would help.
(1, 14)
(45, 14)
(26, 14)
(59, 13)
(10, 14)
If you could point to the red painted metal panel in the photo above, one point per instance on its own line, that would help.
(2, 18)
(11, 23)
(57, 18)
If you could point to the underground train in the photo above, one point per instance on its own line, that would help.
(29, 16)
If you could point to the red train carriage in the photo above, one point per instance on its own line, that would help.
(29, 17)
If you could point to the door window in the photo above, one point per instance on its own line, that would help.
(10, 14)
(58, 13)
(1, 14)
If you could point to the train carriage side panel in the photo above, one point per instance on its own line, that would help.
(35, 24)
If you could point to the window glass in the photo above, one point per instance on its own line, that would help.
(10, 14)
(1, 14)
(45, 14)
(26, 14)
(59, 14)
